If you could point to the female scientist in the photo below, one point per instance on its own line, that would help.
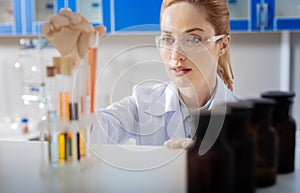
(194, 46)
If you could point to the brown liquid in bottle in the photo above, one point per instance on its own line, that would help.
(285, 127)
(212, 171)
(266, 140)
(243, 145)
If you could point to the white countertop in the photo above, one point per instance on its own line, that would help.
(114, 168)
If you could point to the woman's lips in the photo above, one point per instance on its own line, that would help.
(180, 70)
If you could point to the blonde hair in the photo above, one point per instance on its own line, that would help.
(217, 14)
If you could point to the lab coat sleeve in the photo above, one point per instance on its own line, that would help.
(117, 122)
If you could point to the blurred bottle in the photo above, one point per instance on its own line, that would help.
(214, 170)
(24, 125)
(32, 81)
(243, 145)
(285, 127)
(266, 141)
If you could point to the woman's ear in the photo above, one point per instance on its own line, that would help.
(224, 45)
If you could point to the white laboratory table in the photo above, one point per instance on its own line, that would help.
(114, 168)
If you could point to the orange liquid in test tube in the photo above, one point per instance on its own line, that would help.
(93, 71)
(61, 104)
(64, 111)
(67, 110)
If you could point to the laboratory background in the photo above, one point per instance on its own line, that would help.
(265, 51)
(265, 48)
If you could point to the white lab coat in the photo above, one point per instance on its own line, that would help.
(151, 115)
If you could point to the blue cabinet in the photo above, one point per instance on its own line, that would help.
(287, 14)
(246, 15)
(25, 17)
(10, 21)
(136, 15)
(119, 15)
(264, 15)
(239, 15)
(28, 16)
(98, 12)
(38, 11)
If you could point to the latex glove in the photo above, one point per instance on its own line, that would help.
(71, 33)
(177, 143)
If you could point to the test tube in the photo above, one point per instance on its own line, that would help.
(53, 137)
(65, 65)
(93, 71)
(51, 93)
(51, 96)
(73, 154)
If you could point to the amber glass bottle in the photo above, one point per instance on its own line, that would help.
(285, 127)
(265, 137)
(211, 171)
(243, 145)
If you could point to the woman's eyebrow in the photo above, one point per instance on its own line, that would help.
(165, 31)
(194, 29)
(187, 31)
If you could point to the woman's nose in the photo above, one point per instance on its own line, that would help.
(177, 54)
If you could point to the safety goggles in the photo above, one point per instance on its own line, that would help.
(187, 42)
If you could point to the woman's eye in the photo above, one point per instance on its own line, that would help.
(194, 39)
(167, 40)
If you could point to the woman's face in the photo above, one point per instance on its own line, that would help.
(188, 55)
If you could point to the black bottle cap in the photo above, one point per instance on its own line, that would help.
(239, 108)
(73, 111)
(261, 102)
(281, 98)
(277, 95)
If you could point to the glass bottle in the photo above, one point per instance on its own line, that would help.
(285, 127)
(243, 146)
(213, 170)
(24, 125)
(266, 140)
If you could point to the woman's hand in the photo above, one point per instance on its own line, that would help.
(178, 143)
(71, 33)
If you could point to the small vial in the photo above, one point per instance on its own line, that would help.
(24, 127)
